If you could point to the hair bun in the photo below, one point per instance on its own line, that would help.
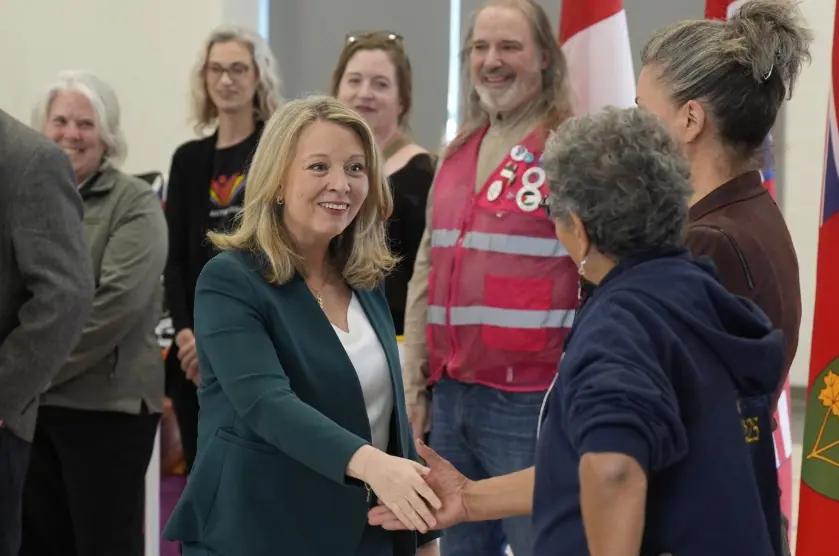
(770, 38)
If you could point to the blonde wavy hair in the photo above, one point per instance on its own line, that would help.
(266, 99)
(361, 252)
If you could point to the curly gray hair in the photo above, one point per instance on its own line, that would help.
(621, 173)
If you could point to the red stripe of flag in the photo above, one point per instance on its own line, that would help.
(578, 14)
(716, 9)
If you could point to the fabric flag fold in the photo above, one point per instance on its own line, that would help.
(595, 40)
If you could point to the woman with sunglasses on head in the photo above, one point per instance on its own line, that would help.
(373, 77)
(234, 91)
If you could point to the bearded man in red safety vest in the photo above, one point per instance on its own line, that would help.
(493, 293)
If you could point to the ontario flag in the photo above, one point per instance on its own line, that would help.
(818, 510)
(725, 9)
(595, 41)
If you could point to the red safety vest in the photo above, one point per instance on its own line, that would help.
(502, 289)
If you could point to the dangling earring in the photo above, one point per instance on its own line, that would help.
(582, 271)
(280, 202)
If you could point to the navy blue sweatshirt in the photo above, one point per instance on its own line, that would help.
(655, 363)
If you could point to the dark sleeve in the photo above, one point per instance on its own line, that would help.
(237, 349)
(176, 275)
(715, 244)
(54, 264)
(617, 397)
(414, 220)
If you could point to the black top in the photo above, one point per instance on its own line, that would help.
(227, 186)
(198, 169)
(410, 185)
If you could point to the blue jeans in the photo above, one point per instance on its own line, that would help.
(485, 432)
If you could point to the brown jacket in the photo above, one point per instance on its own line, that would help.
(741, 229)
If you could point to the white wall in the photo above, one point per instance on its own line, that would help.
(144, 50)
(805, 120)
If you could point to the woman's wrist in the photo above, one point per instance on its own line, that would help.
(357, 466)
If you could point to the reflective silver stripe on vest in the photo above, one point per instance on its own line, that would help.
(444, 238)
(436, 314)
(507, 318)
(515, 245)
(501, 243)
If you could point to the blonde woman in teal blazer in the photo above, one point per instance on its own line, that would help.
(302, 428)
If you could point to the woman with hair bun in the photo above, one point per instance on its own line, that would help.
(718, 86)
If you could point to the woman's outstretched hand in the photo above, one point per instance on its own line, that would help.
(447, 482)
(399, 485)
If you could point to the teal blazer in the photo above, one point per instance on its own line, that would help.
(281, 414)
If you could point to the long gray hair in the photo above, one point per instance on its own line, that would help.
(555, 99)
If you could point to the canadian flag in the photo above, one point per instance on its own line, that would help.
(595, 41)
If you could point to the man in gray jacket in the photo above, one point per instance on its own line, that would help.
(46, 287)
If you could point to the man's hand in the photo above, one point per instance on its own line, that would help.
(446, 481)
(398, 483)
(418, 416)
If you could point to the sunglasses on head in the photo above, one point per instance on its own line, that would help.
(386, 35)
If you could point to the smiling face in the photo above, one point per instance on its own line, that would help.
(72, 124)
(230, 77)
(369, 86)
(505, 65)
(326, 183)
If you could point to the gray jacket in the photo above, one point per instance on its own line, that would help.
(116, 364)
(45, 279)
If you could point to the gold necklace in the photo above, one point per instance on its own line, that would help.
(316, 292)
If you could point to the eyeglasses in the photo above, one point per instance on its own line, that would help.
(390, 36)
(236, 70)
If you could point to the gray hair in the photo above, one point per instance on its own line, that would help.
(622, 174)
(740, 69)
(555, 100)
(267, 96)
(105, 108)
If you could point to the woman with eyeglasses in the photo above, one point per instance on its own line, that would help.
(373, 77)
(234, 91)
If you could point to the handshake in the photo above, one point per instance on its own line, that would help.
(412, 496)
